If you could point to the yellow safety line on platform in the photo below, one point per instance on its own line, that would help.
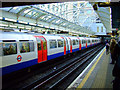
(88, 74)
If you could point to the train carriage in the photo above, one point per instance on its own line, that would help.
(56, 45)
(18, 51)
(83, 43)
(75, 44)
(22, 50)
(88, 40)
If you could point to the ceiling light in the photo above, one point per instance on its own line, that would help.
(3, 24)
(32, 24)
(23, 22)
(13, 20)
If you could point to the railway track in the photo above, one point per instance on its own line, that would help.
(57, 77)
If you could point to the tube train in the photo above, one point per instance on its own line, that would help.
(21, 50)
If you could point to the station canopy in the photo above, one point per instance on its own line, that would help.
(77, 16)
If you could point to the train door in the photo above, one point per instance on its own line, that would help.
(79, 43)
(90, 42)
(67, 46)
(42, 48)
(64, 46)
(70, 45)
(86, 42)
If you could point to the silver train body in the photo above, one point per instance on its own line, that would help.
(22, 50)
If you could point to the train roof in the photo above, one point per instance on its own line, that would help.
(29, 36)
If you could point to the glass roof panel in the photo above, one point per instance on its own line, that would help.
(30, 13)
(25, 11)
(35, 15)
(78, 12)
(6, 9)
(51, 19)
(17, 9)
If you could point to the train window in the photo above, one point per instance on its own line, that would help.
(38, 43)
(24, 47)
(9, 40)
(9, 48)
(74, 42)
(53, 44)
(1, 52)
(44, 43)
(82, 41)
(60, 43)
(88, 41)
(31, 46)
(39, 46)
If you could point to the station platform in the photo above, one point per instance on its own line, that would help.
(97, 75)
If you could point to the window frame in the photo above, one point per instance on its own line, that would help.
(50, 44)
(62, 42)
(11, 42)
(27, 42)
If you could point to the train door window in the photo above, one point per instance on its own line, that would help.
(24, 47)
(39, 46)
(82, 41)
(44, 43)
(1, 51)
(38, 43)
(53, 44)
(9, 48)
(74, 42)
(88, 41)
(60, 43)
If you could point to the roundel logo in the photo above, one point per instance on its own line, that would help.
(19, 58)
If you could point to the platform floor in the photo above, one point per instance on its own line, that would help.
(97, 75)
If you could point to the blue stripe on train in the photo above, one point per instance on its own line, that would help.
(83, 47)
(15, 67)
(89, 45)
(74, 50)
(67, 52)
(55, 55)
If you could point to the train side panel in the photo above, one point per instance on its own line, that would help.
(55, 46)
(13, 58)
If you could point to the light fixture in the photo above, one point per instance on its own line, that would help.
(3, 24)
(32, 24)
(8, 19)
(1, 18)
(40, 25)
(23, 22)
(13, 26)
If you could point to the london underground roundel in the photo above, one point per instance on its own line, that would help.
(19, 58)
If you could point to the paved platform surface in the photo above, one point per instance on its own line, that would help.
(98, 75)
